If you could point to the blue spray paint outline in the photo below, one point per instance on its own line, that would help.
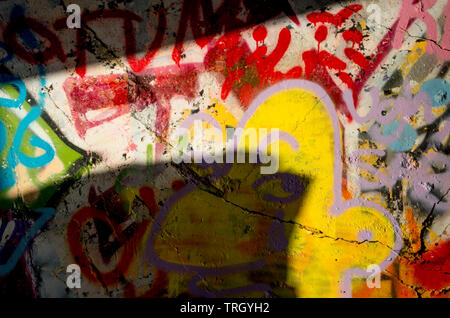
(15, 155)
(46, 215)
(2, 135)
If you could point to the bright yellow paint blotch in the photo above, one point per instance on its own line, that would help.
(317, 261)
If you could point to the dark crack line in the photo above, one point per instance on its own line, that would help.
(192, 175)
(311, 230)
(85, 29)
(425, 39)
(427, 223)
(59, 108)
(417, 289)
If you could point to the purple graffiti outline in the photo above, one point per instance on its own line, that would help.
(199, 116)
(405, 105)
(200, 271)
(339, 206)
(217, 173)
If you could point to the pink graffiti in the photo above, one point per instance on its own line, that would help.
(104, 95)
(413, 9)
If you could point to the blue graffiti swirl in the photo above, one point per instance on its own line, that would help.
(15, 155)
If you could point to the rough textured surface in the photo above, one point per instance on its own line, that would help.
(88, 126)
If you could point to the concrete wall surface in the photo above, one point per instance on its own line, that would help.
(203, 148)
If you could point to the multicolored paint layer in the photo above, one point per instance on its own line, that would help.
(90, 119)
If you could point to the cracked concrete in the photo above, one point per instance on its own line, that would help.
(99, 151)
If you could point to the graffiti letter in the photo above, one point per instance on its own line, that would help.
(21, 25)
(411, 10)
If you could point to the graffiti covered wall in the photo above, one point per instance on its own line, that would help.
(109, 109)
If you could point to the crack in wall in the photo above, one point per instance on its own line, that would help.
(204, 181)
